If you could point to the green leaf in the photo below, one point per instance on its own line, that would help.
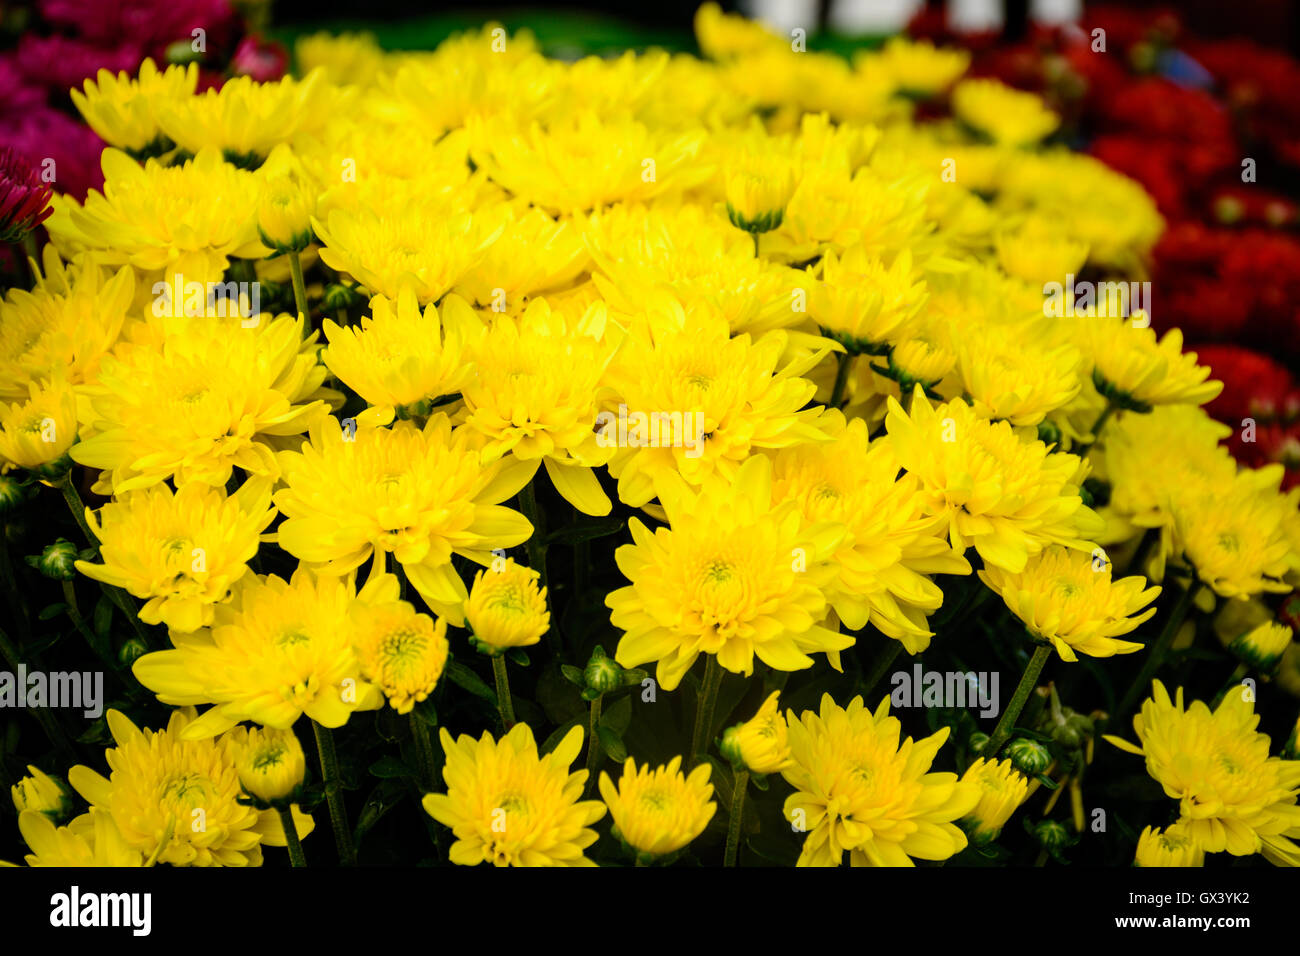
(53, 610)
(466, 679)
(426, 712)
(573, 675)
(102, 619)
(388, 768)
(618, 715)
(519, 656)
(611, 743)
(588, 530)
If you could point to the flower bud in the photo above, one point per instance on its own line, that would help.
(756, 198)
(270, 762)
(1050, 835)
(1173, 847)
(602, 673)
(12, 494)
(1028, 756)
(760, 745)
(42, 793)
(1262, 647)
(131, 650)
(56, 561)
(506, 608)
(1001, 790)
(284, 218)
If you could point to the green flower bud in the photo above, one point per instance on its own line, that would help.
(1029, 756)
(43, 793)
(340, 296)
(56, 561)
(978, 741)
(1048, 433)
(12, 494)
(131, 649)
(602, 674)
(1051, 836)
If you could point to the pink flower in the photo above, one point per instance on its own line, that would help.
(264, 60)
(24, 199)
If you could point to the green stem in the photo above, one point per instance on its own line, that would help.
(504, 703)
(296, 856)
(329, 768)
(74, 612)
(536, 548)
(53, 730)
(754, 236)
(299, 287)
(844, 362)
(10, 583)
(740, 785)
(1028, 681)
(704, 710)
(1097, 426)
(423, 751)
(1157, 653)
(593, 745)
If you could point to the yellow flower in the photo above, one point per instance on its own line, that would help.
(1068, 599)
(1134, 371)
(505, 608)
(892, 544)
(1263, 647)
(732, 576)
(535, 394)
(36, 433)
(508, 806)
(861, 303)
(1172, 846)
(1007, 116)
(244, 119)
(401, 360)
(1008, 374)
(723, 35)
(124, 111)
(42, 793)
(275, 651)
(757, 194)
(345, 58)
(1041, 251)
(401, 651)
(284, 218)
(69, 321)
(916, 361)
(94, 841)
(761, 744)
(1233, 795)
(175, 799)
(657, 812)
(694, 402)
(533, 255)
(858, 789)
(182, 552)
(420, 493)
(270, 762)
(213, 395)
(918, 68)
(1001, 789)
(1008, 497)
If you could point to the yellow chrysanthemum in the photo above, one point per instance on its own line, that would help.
(176, 799)
(1041, 251)
(1172, 846)
(920, 69)
(1135, 371)
(732, 576)
(214, 395)
(1068, 599)
(1263, 646)
(1008, 497)
(1008, 374)
(1001, 789)
(858, 789)
(1007, 116)
(124, 111)
(761, 744)
(401, 651)
(758, 192)
(401, 360)
(659, 811)
(275, 651)
(535, 394)
(1233, 795)
(182, 552)
(42, 793)
(861, 303)
(345, 59)
(420, 493)
(95, 842)
(533, 255)
(36, 433)
(508, 806)
(891, 546)
(270, 762)
(506, 608)
(723, 35)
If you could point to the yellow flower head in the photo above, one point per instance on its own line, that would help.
(176, 800)
(345, 58)
(659, 811)
(182, 552)
(724, 35)
(761, 744)
(284, 218)
(892, 545)
(1002, 789)
(124, 111)
(69, 321)
(1007, 116)
(920, 69)
(1135, 371)
(758, 192)
(857, 788)
(861, 303)
(275, 651)
(1041, 251)
(509, 806)
(1264, 646)
(535, 393)
(533, 255)
(94, 841)
(1067, 598)
(1008, 497)
(915, 361)
(42, 793)
(1172, 846)
(401, 651)
(733, 576)
(401, 360)
(420, 493)
(270, 762)
(505, 607)
(1233, 795)
(1008, 374)
(212, 396)
(36, 433)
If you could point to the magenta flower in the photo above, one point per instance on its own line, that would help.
(48, 139)
(264, 60)
(61, 63)
(24, 199)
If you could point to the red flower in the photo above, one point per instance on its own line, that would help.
(24, 199)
